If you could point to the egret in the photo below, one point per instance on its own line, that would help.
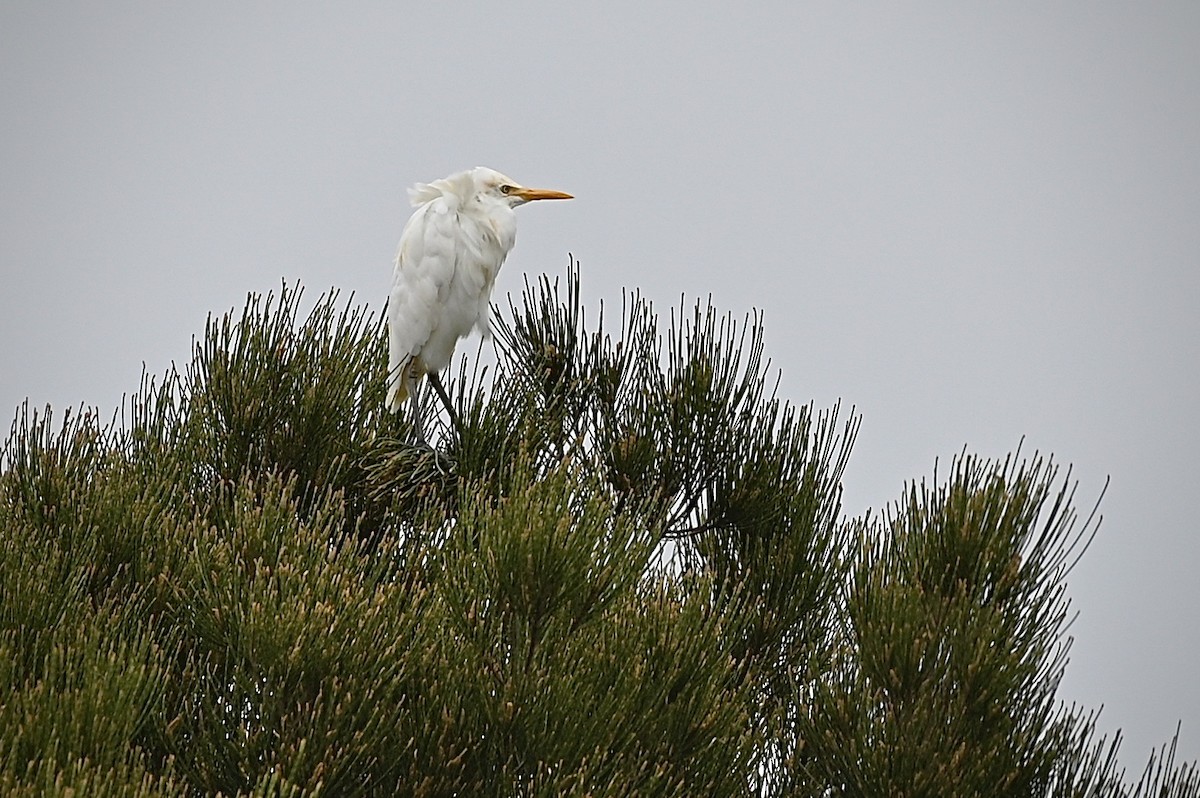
(450, 253)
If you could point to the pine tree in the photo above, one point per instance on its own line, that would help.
(627, 573)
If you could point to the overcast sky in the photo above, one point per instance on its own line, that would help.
(972, 222)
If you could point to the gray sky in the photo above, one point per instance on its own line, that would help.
(973, 222)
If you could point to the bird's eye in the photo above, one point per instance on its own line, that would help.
(505, 189)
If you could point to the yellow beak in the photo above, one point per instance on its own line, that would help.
(530, 194)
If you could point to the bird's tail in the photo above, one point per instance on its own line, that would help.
(403, 380)
(397, 394)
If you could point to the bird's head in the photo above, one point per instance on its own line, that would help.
(491, 186)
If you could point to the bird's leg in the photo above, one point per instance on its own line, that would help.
(416, 409)
(436, 382)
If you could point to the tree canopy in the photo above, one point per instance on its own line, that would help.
(627, 573)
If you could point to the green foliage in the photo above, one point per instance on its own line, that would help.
(626, 573)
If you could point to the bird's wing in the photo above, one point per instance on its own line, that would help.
(420, 284)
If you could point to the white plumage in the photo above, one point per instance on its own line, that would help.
(450, 252)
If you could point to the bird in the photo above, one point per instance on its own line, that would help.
(450, 252)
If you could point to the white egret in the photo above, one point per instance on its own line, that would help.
(450, 252)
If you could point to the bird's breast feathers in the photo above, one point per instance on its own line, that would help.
(452, 257)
